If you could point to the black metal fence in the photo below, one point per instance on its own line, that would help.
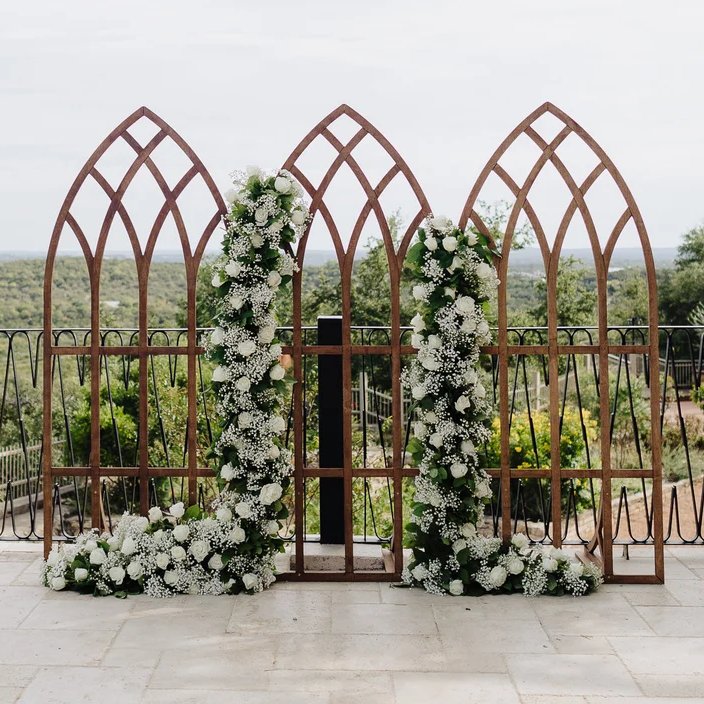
(681, 419)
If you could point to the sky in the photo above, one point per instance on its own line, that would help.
(444, 81)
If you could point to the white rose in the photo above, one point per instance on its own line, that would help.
(456, 587)
(549, 564)
(577, 569)
(250, 580)
(497, 576)
(247, 348)
(274, 452)
(53, 557)
(277, 424)
(237, 535)
(484, 271)
(274, 279)
(162, 560)
(282, 184)
(560, 555)
(236, 302)
(275, 351)
(449, 243)
(418, 392)
(419, 429)
(462, 404)
(465, 304)
(298, 216)
(266, 335)
(520, 541)
(431, 417)
(434, 342)
(479, 390)
(170, 577)
(158, 535)
(468, 325)
(116, 574)
(89, 546)
(155, 514)
(436, 440)
(243, 509)
(467, 447)
(455, 264)
(217, 337)
(177, 510)
(80, 574)
(515, 565)
(199, 549)
(440, 222)
(216, 280)
(220, 374)
(483, 327)
(457, 470)
(128, 546)
(227, 472)
(181, 532)
(270, 493)
(431, 364)
(419, 573)
(470, 376)
(256, 239)
(178, 553)
(483, 489)
(215, 562)
(471, 237)
(468, 530)
(97, 556)
(245, 419)
(418, 323)
(113, 543)
(230, 195)
(243, 384)
(58, 583)
(450, 292)
(135, 570)
(419, 292)
(416, 340)
(233, 269)
(142, 523)
(277, 372)
(431, 243)
(273, 527)
(223, 514)
(459, 545)
(261, 216)
(255, 171)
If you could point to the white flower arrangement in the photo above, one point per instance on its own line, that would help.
(453, 277)
(187, 550)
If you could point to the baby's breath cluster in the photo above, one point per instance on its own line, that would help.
(454, 279)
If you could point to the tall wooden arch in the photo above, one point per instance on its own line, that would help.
(601, 547)
(345, 155)
(97, 349)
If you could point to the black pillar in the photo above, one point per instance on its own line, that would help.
(330, 443)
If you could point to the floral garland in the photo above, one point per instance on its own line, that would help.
(232, 550)
(455, 279)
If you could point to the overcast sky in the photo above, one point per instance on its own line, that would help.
(444, 81)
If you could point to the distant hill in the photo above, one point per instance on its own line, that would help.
(528, 259)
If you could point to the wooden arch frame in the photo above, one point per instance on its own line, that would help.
(97, 349)
(601, 547)
(345, 259)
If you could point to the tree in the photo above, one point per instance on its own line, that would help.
(681, 290)
(628, 297)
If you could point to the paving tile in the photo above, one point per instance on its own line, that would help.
(674, 620)
(687, 592)
(605, 614)
(9, 695)
(10, 570)
(364, 684)
(71, 685)
(548, 699)
(195, 696)
(383, 619)
(511, 607)
(649, 594)
(663, 687)
(639, 700)
(17, 675)
(31, 647)
(407, 595)
(362, 652)
(31, 575)
(580, 645)
(104, 614)
(282, 612)
(453, 688)
(357, 596)
(17, 603)
(691, 555)
(134, 656)
(233, 663)
(661, 656)
(571, 675)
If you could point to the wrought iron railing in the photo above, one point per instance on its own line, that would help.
(681, 420)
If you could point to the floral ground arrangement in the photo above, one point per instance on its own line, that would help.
(232, 549)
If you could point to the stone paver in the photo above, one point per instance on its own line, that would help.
(348, 643)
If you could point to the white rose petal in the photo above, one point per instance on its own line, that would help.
(247, 348)
(465, 304)
(237, 535)
(223, 514)
(215, 562)
(282, 184)
(177, 510)
(458, 469)
(467, 447)
(484, 271)
(162, 560)
(243, 384)
(436, 440)
(431, 243)
(468, 530)
(256, 239)
(97, 556)
(250, 580)
(243, 509)
(58, 583)
(515, 565)
(181, 532)
(178, 553)
(277, 372)
(298, 217)
(199, 549)
(274, 452)
(418, 392)
(416, 340)
(170, 577)
(266, 335)
(261, 216)
(419, 292)
(227, 472)
(497, 576)
(471, 237)
(418, 323)
(277, 424)
(233, 269)
(80, 574)
(462, 404)
(449, 243)
(549, 564)
(245, 419)
(220, 374)
(274, 279)
(128, 546)
(217, 280)
(116, 574)
(459, 545)
(135, 570)
(155, 514)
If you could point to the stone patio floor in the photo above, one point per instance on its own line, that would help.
(343, 643)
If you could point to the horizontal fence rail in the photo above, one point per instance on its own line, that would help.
(681, 420)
